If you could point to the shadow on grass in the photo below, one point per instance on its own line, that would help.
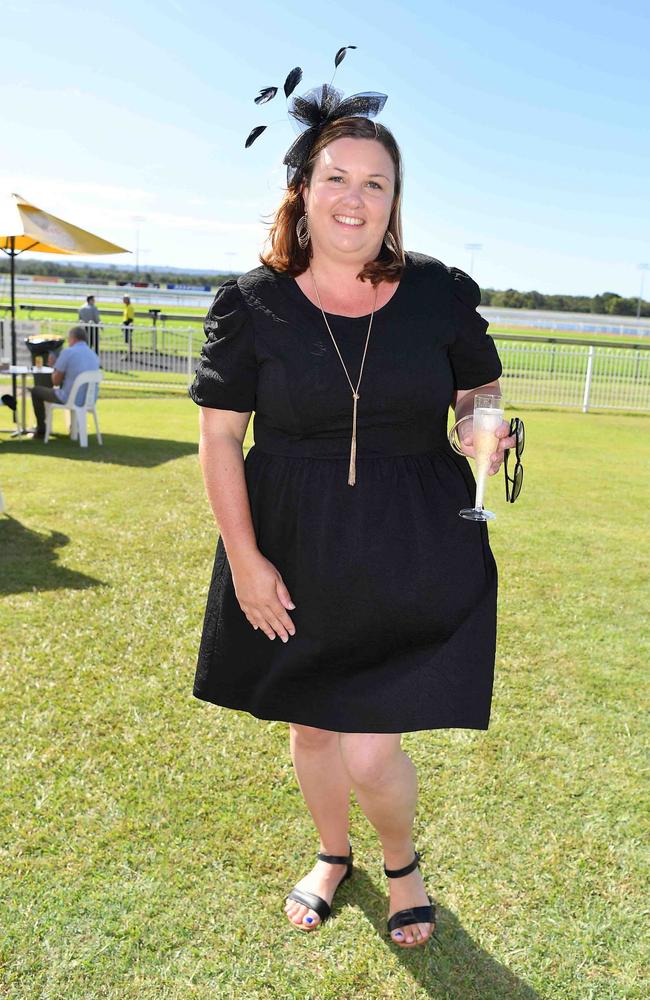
(29, 561)
(118, 449)
(450, 966)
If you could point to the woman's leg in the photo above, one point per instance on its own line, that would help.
(385, 784)
(325, 785)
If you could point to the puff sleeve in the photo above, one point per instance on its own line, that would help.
(473, 356)
(226, 376)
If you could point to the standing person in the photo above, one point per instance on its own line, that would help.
(89, 316)
(339, 530)
(128, 316)
(74, 359)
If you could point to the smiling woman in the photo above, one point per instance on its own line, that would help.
(352, 154)
(350, 351)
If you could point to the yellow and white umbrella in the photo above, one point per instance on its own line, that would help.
(23, 227)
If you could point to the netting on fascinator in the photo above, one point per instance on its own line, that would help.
(310, 112)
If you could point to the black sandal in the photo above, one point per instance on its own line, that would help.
(317, 903)
(414, 914)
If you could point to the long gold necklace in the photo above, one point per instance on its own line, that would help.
(352, 472)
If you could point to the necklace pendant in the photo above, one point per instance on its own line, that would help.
(352, 470)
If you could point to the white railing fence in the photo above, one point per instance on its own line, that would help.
(536, 371)
(544, 319)
(585, 376)
(134, 350)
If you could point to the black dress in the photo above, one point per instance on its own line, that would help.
(395, 594)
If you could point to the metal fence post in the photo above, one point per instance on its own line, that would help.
(190, 370)
(588, 376)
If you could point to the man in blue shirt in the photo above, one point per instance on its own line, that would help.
(73, 360)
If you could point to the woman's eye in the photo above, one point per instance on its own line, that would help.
(336, 178)
(375, 184)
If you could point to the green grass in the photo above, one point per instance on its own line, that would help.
(149, 839)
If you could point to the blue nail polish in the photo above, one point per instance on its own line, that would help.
(309, 920)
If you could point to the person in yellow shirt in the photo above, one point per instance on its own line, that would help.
(128, 317)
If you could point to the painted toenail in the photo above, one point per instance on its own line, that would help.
(309, 920)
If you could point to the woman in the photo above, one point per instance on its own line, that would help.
(383, 600)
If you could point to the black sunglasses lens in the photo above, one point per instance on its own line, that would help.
(521, 437)
(517, 428)
(518, 483)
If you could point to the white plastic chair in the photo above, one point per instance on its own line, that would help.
(78, 414)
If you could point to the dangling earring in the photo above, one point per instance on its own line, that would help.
(303, 231)
(391, 243)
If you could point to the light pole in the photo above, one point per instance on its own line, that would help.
(137, 219)
(642, 268)
(473, 248)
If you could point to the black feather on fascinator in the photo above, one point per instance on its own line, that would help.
(310, 112)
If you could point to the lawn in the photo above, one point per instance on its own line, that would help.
(149, 839)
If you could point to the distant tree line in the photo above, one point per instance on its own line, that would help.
(607, 302)
(103, 273)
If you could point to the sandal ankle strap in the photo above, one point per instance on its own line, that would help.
(398, 872)
(336, 859)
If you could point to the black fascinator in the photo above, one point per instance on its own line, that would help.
(310, 112)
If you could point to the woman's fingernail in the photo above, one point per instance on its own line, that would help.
(292, 605)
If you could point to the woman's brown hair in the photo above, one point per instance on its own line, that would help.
(286, 254)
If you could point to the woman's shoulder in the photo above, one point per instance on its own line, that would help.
(260, 280)
(422, 262)
(461, 284)
(259, 289)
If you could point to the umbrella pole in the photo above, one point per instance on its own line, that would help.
(12, 282)
(12, 279)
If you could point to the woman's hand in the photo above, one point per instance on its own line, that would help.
(262, 595)
(506, 440)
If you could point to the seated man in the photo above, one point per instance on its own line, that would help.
(73, 360)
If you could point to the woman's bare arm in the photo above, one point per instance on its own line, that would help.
(259, 587)
(222, 464)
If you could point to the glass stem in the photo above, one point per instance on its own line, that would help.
(480, 489)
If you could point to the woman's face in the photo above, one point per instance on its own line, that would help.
(349, 199)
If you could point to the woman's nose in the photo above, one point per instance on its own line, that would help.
(354, 196)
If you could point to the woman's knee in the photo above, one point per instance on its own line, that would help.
(310, 738)
(369, 757)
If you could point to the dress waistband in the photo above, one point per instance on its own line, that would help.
(372, 442)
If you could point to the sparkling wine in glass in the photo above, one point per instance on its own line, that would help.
(486, 420)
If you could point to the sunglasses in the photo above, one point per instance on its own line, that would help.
(515, 482)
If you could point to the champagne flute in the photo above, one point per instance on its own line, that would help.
(486, 420)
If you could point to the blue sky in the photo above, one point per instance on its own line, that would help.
(523, 128)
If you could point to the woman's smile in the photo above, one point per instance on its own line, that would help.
(349, 220)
